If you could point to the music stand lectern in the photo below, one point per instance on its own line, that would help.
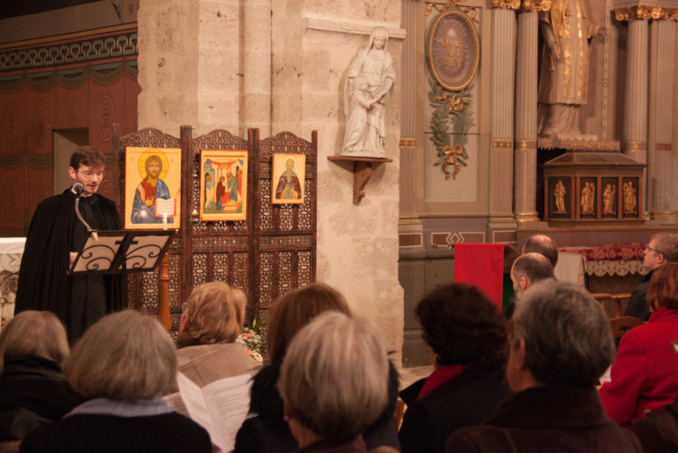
(122, 252)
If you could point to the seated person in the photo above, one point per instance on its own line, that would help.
(333, 383)
(33, 391)
(211, 321)
(466, 336)
(658, 430)
(544, 245)
(267, 430)
(527, 270)
(122, 365)
(644, 375)
(561, 345)
(662, 248)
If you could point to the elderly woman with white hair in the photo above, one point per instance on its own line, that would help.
(333, 383)
(33, 390)
(122, 365)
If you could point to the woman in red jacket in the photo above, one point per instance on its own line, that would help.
(644, 374)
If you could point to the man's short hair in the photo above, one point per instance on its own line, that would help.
(216, 312)
(334, 377)
(125, 356)
(568, 340)
(87, 156)
(534, 267)
(667, 245)
(544, 245)
(37, 333)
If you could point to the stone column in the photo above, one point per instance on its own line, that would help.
(525, 167)
(634, 139)
(503, 78)
(408, 115)
(256, 74)
(660, 173)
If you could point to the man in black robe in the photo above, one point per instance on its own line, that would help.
(54, 238)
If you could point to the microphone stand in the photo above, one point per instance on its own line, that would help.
(77, 190)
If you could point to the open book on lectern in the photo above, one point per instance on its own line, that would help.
(114, 252)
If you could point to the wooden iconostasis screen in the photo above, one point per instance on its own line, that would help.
(266, 255)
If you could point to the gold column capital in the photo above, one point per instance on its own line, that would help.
(522, 5)
(642, 12)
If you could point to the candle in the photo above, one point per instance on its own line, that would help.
(164, 221)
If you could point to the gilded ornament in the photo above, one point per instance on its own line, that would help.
(641, 12)
(506, 4)
(472, 10)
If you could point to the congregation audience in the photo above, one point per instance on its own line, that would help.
(527, 270)
(644, 375)
(266, 430)
(33, 390)
(211, 321)
(662, 248)
(466, 336)
(561, 345)
(122, 365)
(333, 382)
(544, 245)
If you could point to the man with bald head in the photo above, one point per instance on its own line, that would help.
(544, 245)
(527, 270)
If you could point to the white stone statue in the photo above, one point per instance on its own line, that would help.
(563, 82)
(369, 87)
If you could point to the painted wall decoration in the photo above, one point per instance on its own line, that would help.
(153, 191)
(223, 185)
(452, 56)
(287, 185)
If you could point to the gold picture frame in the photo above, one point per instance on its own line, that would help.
(152, 188)
(223, 185)
(287, 179)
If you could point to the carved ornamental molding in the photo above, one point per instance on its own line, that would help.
(522, 5)
(642, 12)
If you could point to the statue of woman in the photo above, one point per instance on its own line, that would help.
(365, 137)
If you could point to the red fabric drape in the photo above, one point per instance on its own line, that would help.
(481, 265)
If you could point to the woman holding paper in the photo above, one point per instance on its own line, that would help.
(210, 323)
(122, 365)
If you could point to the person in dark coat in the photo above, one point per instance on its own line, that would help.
(266, 430)
(561, 344)
(658, 430)
(55, 236)
(122, 365)
(33, 390)
(662, 248)
(333, 383)
(466, 336)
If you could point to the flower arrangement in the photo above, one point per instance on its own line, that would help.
(253, 340)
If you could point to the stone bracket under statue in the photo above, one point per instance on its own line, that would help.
(362, 173)
(593, 187)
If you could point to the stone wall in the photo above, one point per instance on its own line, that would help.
(280, 66)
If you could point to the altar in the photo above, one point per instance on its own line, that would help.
(11, 250)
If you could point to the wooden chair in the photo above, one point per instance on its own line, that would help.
(623, 324)
(399, 413)
(618, 300)
(10, 446)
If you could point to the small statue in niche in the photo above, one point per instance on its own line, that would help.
(369, 87)
(629, 198)
(608, 200)
(587, 197)
(563, 82)
(559, 194)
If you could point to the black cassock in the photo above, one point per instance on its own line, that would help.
(56, 231)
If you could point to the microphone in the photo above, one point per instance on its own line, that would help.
(78, 188)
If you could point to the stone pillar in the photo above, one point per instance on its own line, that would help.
(634, 140)
(662, 76)
(256, 74)
(501, 116)
(408, 114)
(525, 167)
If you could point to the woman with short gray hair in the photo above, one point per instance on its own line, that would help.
(123, 364)
(334, 383)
